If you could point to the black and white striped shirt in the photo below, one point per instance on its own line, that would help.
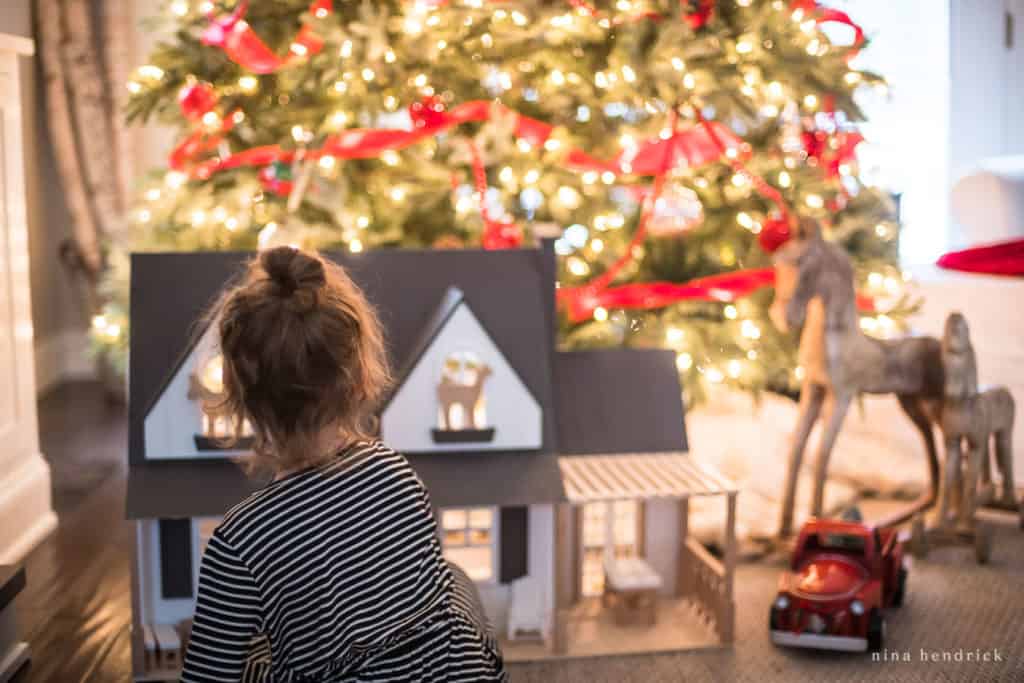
(335, 574)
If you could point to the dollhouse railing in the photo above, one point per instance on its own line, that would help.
(704, 580)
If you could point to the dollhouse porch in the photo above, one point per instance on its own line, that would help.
(620, 599)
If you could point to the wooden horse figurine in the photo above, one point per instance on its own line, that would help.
(814, 293)
(972, 419)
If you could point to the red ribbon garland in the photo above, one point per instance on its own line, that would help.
(826, 15)
(234, 35)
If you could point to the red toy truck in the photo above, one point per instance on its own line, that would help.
(842, 575)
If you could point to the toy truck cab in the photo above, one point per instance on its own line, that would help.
(841, 577)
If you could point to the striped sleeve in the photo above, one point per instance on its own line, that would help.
(227, 616)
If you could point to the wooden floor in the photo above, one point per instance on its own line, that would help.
(76, 609)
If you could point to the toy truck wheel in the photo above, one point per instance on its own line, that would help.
(901, 588)
(982, 543)
(876, 631)
(918, 541)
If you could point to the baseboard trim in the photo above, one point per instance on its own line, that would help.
(62, 357)
(25, 509)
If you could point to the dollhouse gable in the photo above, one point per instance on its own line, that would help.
(458, 391)
(182, 422)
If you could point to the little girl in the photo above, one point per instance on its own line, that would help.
(332, 572)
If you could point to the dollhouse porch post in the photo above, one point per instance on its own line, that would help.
(683, 559)
(565, 576)
(728, 611)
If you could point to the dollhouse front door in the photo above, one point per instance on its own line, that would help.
(609, 530)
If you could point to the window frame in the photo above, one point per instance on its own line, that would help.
(493, 544)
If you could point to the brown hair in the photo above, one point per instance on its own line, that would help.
(303, 356)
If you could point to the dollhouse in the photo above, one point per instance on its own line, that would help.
(560, 480)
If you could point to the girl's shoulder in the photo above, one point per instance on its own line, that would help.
(362, 460)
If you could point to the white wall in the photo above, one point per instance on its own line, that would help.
(907, 128)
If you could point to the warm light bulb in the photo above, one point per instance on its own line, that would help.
(368, 74)
(327, 162)
(578, 266)
(730, 312)
(784, 179)
(211, 119)
(734, 368)
(673, 335)
(151, 71)
(814, 201)
(248, 83)
(355, 246)
(684, 361)
(179, 8)
(175, 179)
(628, 74)
(398, 194)
(600, 314)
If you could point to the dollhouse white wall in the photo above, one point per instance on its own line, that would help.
(174, 419)
(511, 409)
(661, 540)
(496, 597)
(154, 608)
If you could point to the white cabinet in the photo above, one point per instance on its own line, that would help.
(25, 512)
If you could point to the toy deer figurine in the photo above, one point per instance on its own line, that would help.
(451, 393)
(814, 292)
(971, 419)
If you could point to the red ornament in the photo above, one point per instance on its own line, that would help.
(698, 12)
(196, 98)
(277, 179)
(502, 235)
(428, 113)
(774, 233)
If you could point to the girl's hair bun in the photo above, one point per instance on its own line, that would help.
(293, 270)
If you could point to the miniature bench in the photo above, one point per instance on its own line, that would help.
(13, 653)
(631, 591)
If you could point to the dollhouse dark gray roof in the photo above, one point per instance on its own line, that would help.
(618, 401)
(591, 401)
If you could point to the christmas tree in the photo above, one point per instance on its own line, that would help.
(667, 146)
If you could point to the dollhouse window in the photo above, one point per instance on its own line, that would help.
(469, 539)
(609, 529)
